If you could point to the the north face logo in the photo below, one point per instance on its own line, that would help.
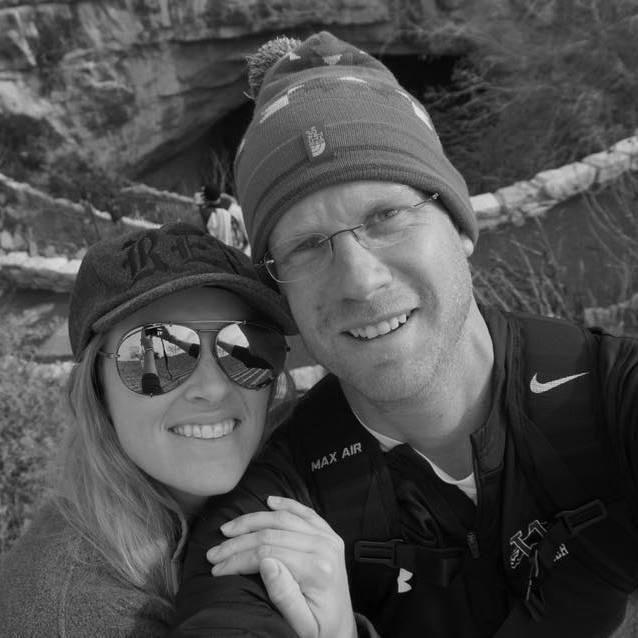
(315, 142)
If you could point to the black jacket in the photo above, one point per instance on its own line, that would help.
(489, 568)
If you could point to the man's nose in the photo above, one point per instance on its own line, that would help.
(358, 272)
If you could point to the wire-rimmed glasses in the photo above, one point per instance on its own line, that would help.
(302, 256)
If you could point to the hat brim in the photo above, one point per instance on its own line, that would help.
(255, 294)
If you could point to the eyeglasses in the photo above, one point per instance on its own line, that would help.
(302, 256)
(158, 357)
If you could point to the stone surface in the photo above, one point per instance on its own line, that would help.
(133, 83)
(57, 347)
(487, 206)
(38, 273)
(628, 146)
(158, 206)
(609, 165)
(6, 240)
(522, 199)
(620, 318)
(560, 183)
(48, 226)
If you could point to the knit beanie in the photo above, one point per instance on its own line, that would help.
(328, 113)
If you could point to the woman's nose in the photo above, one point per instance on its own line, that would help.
(208, 381)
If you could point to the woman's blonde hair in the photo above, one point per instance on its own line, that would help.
(127, 516)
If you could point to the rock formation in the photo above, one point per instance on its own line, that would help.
(127, 84)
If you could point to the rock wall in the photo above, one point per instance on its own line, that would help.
(131, 82)
(42, 237)
(36, 223)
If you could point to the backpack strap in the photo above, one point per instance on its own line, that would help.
(351, 484)
(347, 477)
(341, 462)
(557, 434)
(557, 382)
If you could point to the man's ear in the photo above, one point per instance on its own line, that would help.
(467, 244)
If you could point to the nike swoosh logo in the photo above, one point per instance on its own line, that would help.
(538, 388)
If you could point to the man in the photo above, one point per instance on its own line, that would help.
(480, 467)
(222, 217)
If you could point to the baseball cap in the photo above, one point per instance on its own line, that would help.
(121, 274)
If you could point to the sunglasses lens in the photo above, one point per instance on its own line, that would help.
(251, 355)
(156, 358)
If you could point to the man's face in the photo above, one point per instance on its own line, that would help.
(384, 321)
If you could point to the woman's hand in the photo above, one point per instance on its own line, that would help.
(301, 561)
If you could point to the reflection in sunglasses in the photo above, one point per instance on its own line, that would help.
(234, 334)
(157, 358)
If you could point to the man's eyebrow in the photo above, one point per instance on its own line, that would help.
(304, 227)
(404, 198)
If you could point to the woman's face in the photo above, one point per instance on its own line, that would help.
(158, 433)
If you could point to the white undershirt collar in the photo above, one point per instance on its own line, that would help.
(467, 485)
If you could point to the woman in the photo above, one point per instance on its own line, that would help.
(178, 347)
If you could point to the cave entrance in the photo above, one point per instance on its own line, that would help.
(223, 140)
(208, 161)
(418, 73)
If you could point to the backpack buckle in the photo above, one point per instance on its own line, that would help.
(377, 552)
(582, 517)
(566, 525)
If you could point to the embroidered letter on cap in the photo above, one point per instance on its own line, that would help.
(315, 142)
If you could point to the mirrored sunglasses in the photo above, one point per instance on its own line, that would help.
(156, 358)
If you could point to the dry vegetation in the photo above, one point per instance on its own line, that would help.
(561, 86)
(537, 274)
(31, 420)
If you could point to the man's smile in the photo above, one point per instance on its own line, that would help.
(381, 328)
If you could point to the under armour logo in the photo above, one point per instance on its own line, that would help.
(402, 581)
(315, 142)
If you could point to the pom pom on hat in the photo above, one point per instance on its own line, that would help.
(265, 57)
(327, 112)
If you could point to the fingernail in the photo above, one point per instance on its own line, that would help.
(273, 501)
(216, 569)
(227, 527)
(211, 553)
